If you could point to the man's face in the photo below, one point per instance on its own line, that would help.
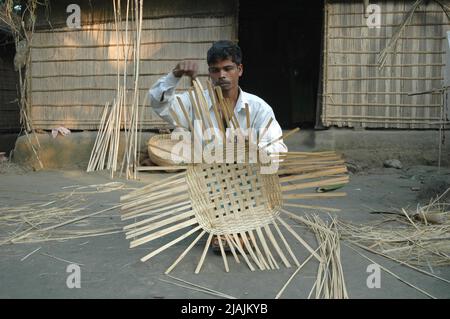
(225, 73)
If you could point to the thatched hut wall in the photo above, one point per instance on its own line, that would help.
(356, 92)
(74, 71)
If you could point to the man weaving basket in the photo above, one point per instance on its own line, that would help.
(225, 68)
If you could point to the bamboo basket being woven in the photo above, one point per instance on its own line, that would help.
(234, 202)
(233, 198)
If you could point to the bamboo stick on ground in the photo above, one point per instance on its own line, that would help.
(294, 274)
(232, 240)
(327, 209)
(258, 251)
(248, 247)
(185, 252)
(173, 242)
(277, 247)
(205, 250)
(313, 195)
(222, 252)
(162, 233)
(204, 288)
(233, 251)
(301, 240)
(280, 234)
(320, 183)
(392, 274)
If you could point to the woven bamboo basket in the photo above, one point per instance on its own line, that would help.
(233, 202)
(233, 198)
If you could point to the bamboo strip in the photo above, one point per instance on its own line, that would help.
(158, 195)
(313, 195)
(230, 244)
(266, 249)
(241, 251)
(221, 105)
(220, 294)
(327, 209)
(161, 208)
(392, 274)
(195, 107)
(328, 172)
(203, 102)
(140, 197)
(321, 183)
(159, 216)
(400, 262)
(173, 242)
(202, 258)
(283, 137)
(151, 186)
(301, 240)
(263, 133)
(185, 252)
(248, 247)
(143, 210)
(294, 274)
(247, 116)
(286, 244)
(215, 108)
(155, 225)
(175, 118)
(185, 113)
(303, 162)
(161, 168)
(307, 222)
(258, 251)
(277, 247)
(222, 252)
(162, 233)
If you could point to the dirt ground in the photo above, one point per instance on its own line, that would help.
(110, 269)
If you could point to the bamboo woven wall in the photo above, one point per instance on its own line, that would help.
(356, 92)
(74, 72)
(9, 107)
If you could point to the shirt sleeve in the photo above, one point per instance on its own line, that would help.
(162, 99)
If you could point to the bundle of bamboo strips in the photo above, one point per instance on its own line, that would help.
(38, 221)
(233, 202)
(330, 282)
(414, 238)
(124, 114)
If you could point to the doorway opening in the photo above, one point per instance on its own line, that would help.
(281, 45)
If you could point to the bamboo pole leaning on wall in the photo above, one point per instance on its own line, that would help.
(123, 114)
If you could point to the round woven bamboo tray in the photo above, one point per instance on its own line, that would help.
(160, 150)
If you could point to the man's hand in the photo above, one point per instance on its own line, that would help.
(189, 68)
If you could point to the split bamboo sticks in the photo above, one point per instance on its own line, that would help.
(124, 113)
(50, 221)
(414, 237)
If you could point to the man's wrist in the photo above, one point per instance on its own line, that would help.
(172, 79)
(177, 74)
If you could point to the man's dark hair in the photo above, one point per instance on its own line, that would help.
(222, 50)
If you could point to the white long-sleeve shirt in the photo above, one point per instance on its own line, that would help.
(162, 98)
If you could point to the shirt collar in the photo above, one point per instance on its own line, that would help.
(240, 103)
